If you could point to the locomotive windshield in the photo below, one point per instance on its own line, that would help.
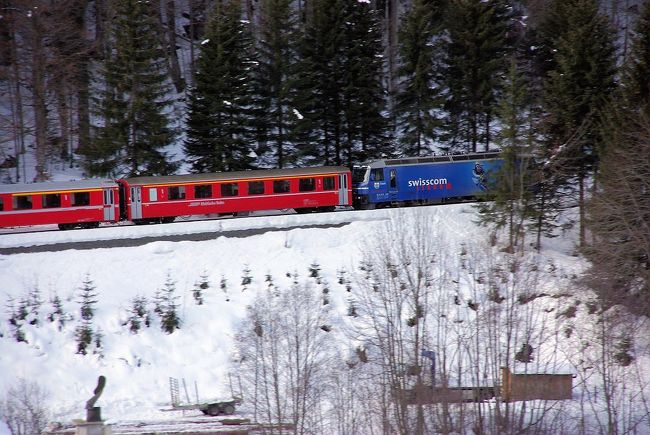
(360, 174)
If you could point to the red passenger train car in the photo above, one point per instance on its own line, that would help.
(67, 204)
(88, 203)
(161, 199)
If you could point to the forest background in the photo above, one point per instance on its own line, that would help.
(126, 88)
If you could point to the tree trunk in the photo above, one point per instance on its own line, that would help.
(39, 98)
(15, 93)
(83, 110)
(172, 56)
(392, 47)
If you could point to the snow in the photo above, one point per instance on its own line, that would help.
(138, 366)
(298, 114)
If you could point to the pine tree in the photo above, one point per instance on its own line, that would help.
(16, 320)
(199, 287)
(476, 60)
(84, 333)
(275, 78)
(364, 96)
(246, 278)
(635, 83)
(34, 304)
(419, 93)
(576, 92)
(223, 285)
(511, 189)
(220, 128)
(339, 95)
(169, 319)
(619, 210)
(137, 314)
(57, 314)
(319, 81)
(619, 214)
(132, 100)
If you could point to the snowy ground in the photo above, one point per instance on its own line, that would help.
(138, 367)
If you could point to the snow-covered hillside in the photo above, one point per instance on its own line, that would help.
(138, 366)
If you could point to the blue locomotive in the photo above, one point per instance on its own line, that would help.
(423, 180)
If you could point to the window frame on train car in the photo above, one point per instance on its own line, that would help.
(329, 183)
(153, 195)
(377, 174)
(20, 202)
(47, 198)
(176, 193)
(79, 199)
(360, 174)
(282, 186)
(202, 191)
(229, 189)
(256, 188)
(306, 184)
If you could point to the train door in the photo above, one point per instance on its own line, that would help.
(378, 186)
(136, 202)
(392, 184)
(343, 189)
(109, 204)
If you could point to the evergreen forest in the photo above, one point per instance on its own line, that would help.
(154, 87)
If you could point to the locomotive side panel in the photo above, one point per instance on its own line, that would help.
(426, 180)
(440, 181)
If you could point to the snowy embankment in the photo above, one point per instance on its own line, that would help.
(138, 366)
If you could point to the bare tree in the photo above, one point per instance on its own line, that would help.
(24, 408)
(394, 296)
(474, 307)
(607, 349)
(284, 351)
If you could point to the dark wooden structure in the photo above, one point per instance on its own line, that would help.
(535, 386)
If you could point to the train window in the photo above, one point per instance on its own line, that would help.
(306, 184)
(153, 195)
(377, 174)
(22, 202)
(2, 204)
(203, 191)
(255, 187)
(229, 189)
(328, 183)
(80, 198)
(52, 200)
(176, 192)
(281, 186)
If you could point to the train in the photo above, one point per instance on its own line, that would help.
(162, 199)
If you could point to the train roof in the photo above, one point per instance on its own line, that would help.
(434, 159)
(56, 186)
(235, 175)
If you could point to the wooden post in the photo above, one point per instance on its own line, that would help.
(506, 384)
